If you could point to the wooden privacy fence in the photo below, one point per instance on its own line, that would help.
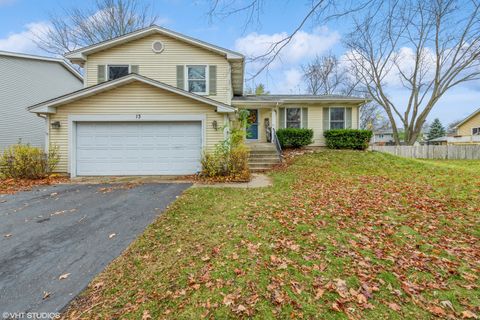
(452, 152)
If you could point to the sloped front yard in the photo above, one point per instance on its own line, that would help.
(341, 234)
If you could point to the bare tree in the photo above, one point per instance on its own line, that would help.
(317, 11)
(427, 46)
(324, 75)
(74, 28)
(327, 75)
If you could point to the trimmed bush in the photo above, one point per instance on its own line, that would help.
(295, 137)
(22, 161)
(348, 139)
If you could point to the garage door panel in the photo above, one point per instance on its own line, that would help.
(138, 148)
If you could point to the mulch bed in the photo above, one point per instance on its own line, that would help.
(11, 186)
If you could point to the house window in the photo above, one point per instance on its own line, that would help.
(337, 118)
(293, 118)
(476, 131)
(197, 79)
(115, 72)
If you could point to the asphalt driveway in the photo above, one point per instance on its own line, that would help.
(69, 230)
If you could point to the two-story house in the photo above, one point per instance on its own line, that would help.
(154, 100)
(24, 80)
(467, 131)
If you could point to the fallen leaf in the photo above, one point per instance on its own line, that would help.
(146, 315)
(98, 285)
(394, 306)
(361, 299)
(467, 314)
(447, 304)
(436, 310)
(205, 258)
(319, 293)
(64, 276)
(46, 294)
(341, 287)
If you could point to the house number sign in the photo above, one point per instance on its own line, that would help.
(138, 116)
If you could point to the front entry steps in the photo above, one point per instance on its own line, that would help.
(263, 156)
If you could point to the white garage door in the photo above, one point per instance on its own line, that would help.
(138, 148)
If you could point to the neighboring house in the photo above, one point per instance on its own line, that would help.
(382, 137)
(26, 80)
(467, 131)
(440, 141)
(154, 100)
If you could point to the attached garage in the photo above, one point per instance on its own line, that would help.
(133, 126)
(138, 148)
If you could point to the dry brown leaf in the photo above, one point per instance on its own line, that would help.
(467, 314)
(394, 306)
(64, 276)
(146, 315)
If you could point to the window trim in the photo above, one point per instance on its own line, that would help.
(207, 77)
(107, 69)
(330, 116)
(478, 131)
(301, 116)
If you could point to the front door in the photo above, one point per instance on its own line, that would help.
(252, 128)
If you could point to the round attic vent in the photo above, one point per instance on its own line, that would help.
(157, 46)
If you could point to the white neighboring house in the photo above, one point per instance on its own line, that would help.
(26, 80)
(382, 137)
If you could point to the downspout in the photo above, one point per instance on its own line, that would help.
(47, 131)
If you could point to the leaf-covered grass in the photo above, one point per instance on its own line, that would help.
(340, 234)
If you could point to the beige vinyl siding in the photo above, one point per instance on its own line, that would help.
(135, 98)
(162, 66)
(466, 128)
(315, 120)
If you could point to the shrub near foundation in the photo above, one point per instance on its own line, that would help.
(347, 139)
(294, 137)
(22, 161)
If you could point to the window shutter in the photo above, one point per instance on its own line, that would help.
(348, 118)
(181, 77)
(304, 117)
(135, 69)
(326, 119)
(281, 115)
(101, 73)
(212, 80)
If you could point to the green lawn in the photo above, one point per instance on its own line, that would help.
(340, 234)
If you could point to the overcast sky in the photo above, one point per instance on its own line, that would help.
(19, 19)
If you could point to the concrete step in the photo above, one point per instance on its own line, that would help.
(263, 152)
(260, 167)
(265, 158)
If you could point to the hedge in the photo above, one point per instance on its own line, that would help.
(294, 137)
(347, 139)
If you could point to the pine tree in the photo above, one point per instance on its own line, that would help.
(436, 130)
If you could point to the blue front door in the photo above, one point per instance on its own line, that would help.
(252, 128)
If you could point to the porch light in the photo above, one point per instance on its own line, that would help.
(214, 124)
(55, 125)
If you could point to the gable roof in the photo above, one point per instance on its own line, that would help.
(236, 59)
(63, 62)
(468, 118)
(85, 51)
(50, 105)
(292, 98)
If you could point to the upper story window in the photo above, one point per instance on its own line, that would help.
(337, 118)
(197, 79)
(476, 131)
(293, 118)
(117, 71)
